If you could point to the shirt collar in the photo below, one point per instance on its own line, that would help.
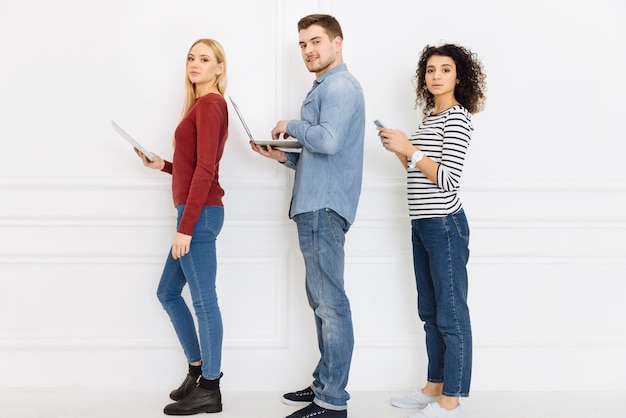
(338, 68)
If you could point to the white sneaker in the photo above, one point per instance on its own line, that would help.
(433, 410)
(415, 399)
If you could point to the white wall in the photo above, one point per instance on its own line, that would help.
(85, 228)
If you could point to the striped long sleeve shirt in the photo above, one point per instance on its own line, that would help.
(443, 137)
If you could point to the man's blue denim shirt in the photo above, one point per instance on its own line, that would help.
(329, 169)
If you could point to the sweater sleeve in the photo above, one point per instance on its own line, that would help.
(209, 119)
(167, 168)
(456, 137)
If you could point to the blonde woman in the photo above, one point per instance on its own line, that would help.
(198, 146)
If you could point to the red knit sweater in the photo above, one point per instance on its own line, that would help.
(198, 148)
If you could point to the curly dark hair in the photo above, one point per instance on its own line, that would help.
(471, 89)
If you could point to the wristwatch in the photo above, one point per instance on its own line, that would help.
(416, 158)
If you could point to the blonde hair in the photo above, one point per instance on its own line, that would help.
(220, 82)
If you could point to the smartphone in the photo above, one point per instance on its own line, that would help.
(379, 123)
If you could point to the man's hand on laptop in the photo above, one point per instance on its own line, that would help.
(280, 128)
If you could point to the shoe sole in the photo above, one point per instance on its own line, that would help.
(399, 404)
(195, 411)
(296, 403)
(407, 406)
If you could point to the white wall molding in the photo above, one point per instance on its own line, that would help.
(378, 257)
(234, 281)
(144, 344)
(369, 183)
(469, 186)
(124, 220)
(134, 183)
(414, 341)
(539, 342)
(548, 260)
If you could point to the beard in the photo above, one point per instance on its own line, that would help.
(318, 65)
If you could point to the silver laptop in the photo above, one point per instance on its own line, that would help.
(278, 143)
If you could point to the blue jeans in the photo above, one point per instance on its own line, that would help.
(322, 236)
(197, 269)
(440, 255)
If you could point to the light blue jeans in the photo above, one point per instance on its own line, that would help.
(198, 270)
(322, 236)
(440, 255)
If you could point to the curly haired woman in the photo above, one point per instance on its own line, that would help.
(450, 88)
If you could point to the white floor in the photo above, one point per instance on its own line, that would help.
(268, 405)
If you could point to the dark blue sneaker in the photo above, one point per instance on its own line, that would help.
(299, 397)
(316, 411)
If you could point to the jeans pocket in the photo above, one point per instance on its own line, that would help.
(338, 226)
(462, 226)
(214, 219)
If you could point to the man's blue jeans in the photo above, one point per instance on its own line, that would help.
(440, 255)
(322, 236)
(197, 269)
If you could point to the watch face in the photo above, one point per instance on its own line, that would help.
(415, 158)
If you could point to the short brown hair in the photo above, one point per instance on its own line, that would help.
(328, 22)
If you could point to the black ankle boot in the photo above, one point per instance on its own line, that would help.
(204, 397)
(185, 388)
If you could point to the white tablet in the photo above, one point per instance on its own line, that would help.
(132, 141)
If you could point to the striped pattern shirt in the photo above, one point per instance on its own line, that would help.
(443, 137)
